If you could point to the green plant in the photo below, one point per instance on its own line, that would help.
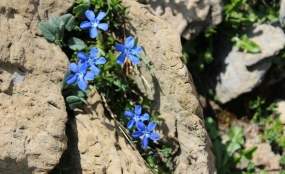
(244, 43)
(95, 65)
(256, 106)
(282, 160)
(229, 154)
(160, 161)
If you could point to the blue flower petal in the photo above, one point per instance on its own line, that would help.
(129, 114)
(120, 48)
(100, 61)
(140, 126)
(129, 42)
(93, 32)
(151, 126)
(71, 79)
(89, 76)
(137, 134)
(130, 124)
(101, 15)
(138, 110)
(73, 67)
(103, 26)
(134, 59)
(95, 70)
(145, 141)
(90, 15)
(85, 25)
(82, 84)
(82, 56)
(80, 64)
(138, 121)
(83, 67)
(93, 52)
(144, 117)
(154, 136)
(121, 58)
(136, 50)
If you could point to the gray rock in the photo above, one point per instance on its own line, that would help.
(244, 71)
(188, 17)
(33, 116)
(282, 9)
(281, 110)
(33, 112)
(96, 144)
(173, 92)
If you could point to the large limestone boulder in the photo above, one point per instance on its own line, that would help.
(33, 116)
(173, 91)
(188, 17)
(96, 144)
(244, 71)
(33, 113)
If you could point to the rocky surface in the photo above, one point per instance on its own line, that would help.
(33, 116)
(282, 9)
(281, 110)
(243, 71)
(96, 145)
(188, 17)
(173, 91)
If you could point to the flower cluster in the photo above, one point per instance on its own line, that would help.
(143, 131)
(80, 71)
(87, 68)
(128, 50)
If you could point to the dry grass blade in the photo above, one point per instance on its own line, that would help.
(122, 129)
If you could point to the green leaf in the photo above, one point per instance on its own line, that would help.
(146, 63)
(210, 32)
(48, 31)
(167, 163)
(211, 127)
(73, 102)
(250, 166)
(236, 135)
(64, 84)
(248, 153)
(232, 147)
(80, 93)
(84, 101)
(136, 41)
(80, 10)
(245, 44)
(56, 21)
(60, 34)
(249, 45)
(76, 44)
(69, 21)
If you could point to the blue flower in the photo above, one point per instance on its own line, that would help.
(81, 75)
(145, 133)
(135, 117)
(128, 50)
(94, 23)
(92, 61)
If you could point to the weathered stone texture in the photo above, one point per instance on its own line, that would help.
(33, 116)
(96, 145)
(188, 17)
(244, 71)
(173, 91)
